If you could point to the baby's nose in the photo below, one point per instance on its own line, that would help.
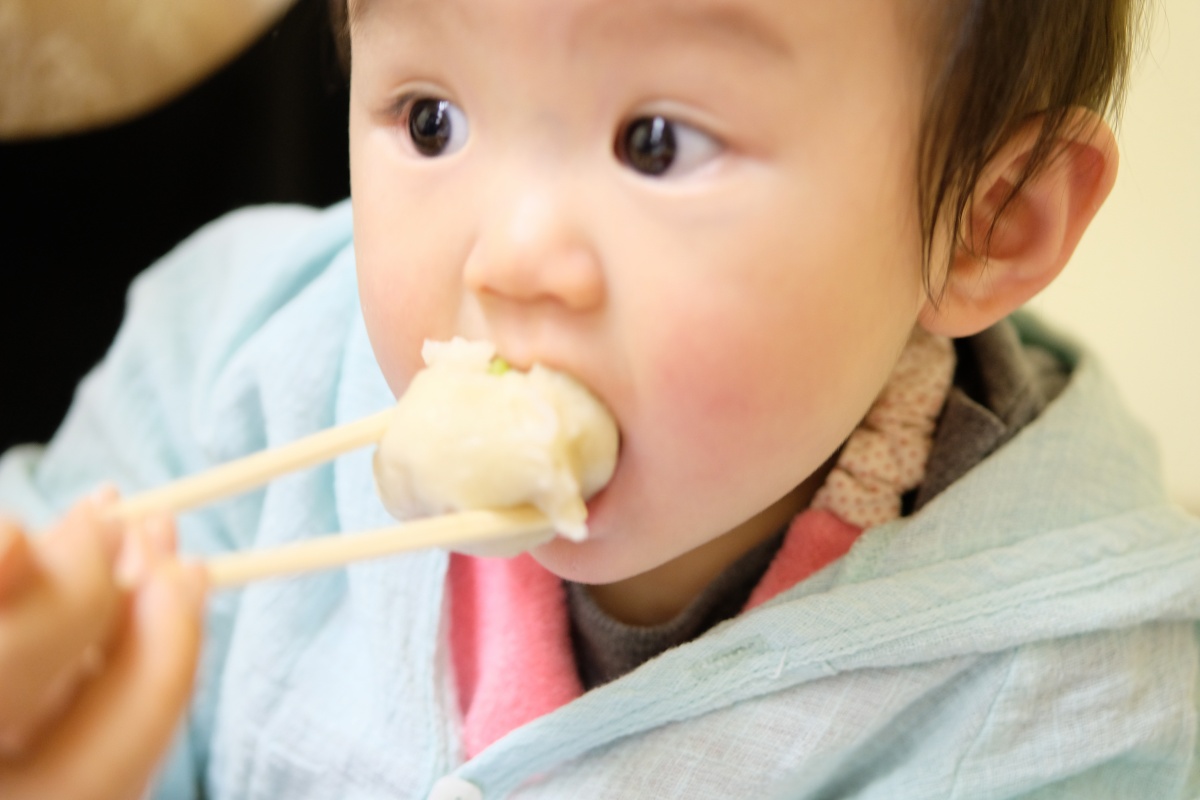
(533, 248)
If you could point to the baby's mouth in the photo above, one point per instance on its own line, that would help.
(473, 432)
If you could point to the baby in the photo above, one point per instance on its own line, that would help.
(868, 534)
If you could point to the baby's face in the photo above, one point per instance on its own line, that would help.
(703, 209)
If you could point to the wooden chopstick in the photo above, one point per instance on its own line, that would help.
(525, 526)
(254, 470)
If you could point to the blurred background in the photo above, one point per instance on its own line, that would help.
(114, 148)
(124, 126)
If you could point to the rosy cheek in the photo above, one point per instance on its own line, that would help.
(702, 385)
(699, 394)
(714, 361)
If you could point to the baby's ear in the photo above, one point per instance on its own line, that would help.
(1036, 233)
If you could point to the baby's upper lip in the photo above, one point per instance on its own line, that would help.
(525, 363)
(523, 358)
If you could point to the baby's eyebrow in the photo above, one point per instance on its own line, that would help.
(732, 22)
(726, 21)
(357, 9)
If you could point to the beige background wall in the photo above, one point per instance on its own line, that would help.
(1133, 289)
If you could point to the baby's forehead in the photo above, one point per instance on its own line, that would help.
(760, 27)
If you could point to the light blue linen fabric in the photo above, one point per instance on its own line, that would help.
(1032, 632)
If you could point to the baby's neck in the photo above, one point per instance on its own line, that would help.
(660, 594)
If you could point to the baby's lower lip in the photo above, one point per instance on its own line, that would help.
(596, 502)
(599, 504)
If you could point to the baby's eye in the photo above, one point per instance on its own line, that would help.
(658, 146)
(437, 127)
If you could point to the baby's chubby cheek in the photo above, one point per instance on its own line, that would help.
(395, 344)
(704, 390)
(691, 410)
(726, 425)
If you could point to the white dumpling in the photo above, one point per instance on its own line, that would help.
(466, 435)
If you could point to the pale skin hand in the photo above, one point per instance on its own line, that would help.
(95, 669)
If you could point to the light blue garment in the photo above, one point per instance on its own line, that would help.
(1031, 632)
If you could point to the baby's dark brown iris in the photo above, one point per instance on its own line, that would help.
(647, 144)
(429, 125)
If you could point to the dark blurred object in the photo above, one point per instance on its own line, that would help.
(81, 215)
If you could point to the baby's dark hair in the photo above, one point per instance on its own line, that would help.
(994, 65)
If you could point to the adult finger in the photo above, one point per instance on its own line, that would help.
(16, 560)
(67, 609)
(109, 742)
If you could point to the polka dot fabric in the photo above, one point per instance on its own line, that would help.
(886, 455)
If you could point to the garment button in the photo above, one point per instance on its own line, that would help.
(452, 788)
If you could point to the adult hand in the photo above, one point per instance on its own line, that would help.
(100, 630)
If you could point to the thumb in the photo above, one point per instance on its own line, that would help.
(115, 735)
